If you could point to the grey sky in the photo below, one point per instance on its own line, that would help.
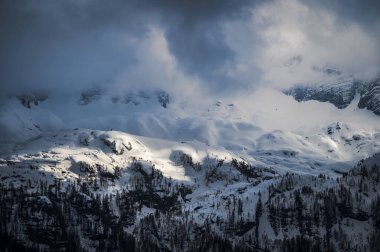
(210, 45)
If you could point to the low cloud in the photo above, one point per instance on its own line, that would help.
(66, 46)
(190, 47)
(285, 41)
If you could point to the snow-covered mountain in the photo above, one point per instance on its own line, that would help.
(340, 90)
(146, 171)
(113, 190)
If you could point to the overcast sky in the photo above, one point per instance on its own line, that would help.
(208, 46)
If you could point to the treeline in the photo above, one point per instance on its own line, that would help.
(295, 213)
(322, 211)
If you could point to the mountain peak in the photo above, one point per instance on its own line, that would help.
(340, 91)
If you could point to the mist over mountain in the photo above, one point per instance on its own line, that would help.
(217, 46)
(189, 125)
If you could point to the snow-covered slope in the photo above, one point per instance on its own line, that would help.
(19, 123)
(146, 171)
(264, 125)
(161, 195)
(337, 147)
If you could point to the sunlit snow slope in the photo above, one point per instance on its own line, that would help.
(264, 125)
(252, 171)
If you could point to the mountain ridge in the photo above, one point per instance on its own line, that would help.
(111, 190)
(238, 175)
(340, 91)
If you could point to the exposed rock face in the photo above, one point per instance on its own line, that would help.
(90, 95)
(27, 100)
(163, 98)
(143, 97)
(341, 92)
(370, 97)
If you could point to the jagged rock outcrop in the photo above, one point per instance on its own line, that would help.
(341, 92)
(142, 97)
(27, 100)
(370, 97)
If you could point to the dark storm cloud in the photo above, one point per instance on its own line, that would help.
(71, 44)
(65, 45)
(363, 12)
(195, 35)
(60, 44)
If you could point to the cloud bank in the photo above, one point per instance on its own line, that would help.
(191, 47)
(285, 41)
